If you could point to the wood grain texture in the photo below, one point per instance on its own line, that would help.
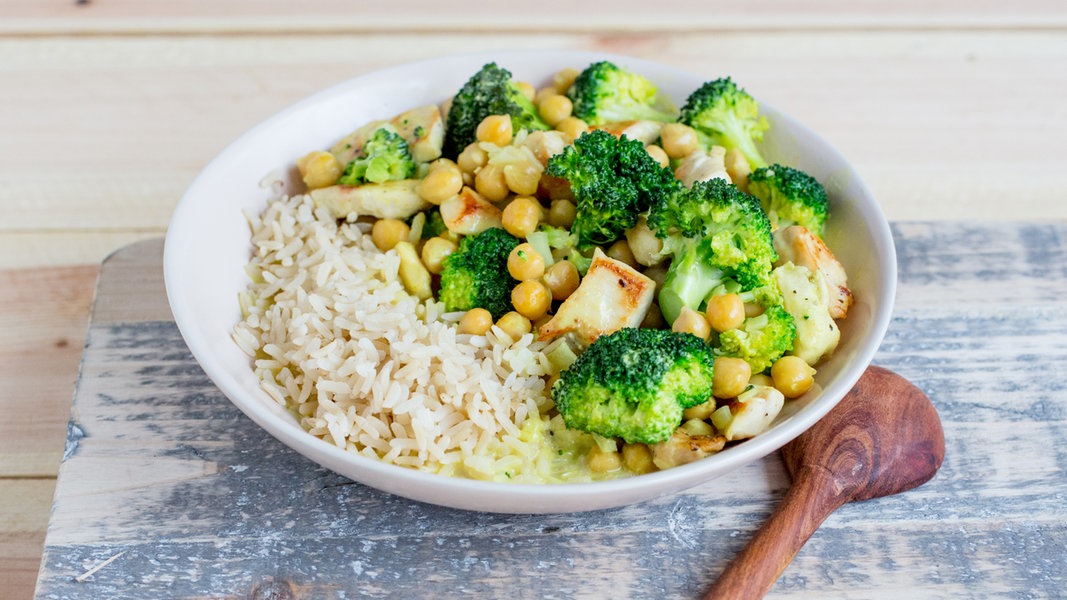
(143, 114)
(22, 530)
(43, 319)
(28, 16)
(44, 316)
(109, 109)
(883, 438)
(168, 491)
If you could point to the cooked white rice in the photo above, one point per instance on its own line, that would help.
(364, 366)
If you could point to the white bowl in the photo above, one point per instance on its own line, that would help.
(207, 247)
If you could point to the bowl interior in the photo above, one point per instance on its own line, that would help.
(207, 247)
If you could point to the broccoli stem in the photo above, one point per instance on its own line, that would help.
(688, 283)
(738, 136)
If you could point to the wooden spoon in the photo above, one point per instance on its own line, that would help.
(884, 437)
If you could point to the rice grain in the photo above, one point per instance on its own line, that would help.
(361, 364)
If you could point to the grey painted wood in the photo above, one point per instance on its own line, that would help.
(167, 491)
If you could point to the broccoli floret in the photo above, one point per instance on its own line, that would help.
(760, 340)
(607, 93)
(635, 384)
(476, 274)
(490, 91)
(790, 197)
(613, 180)
(715, 234)
(385, 156)
(725, 115)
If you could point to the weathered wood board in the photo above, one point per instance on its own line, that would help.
(166, 490)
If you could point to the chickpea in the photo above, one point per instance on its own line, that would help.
(658, 154)
(527, 89)
(752, 310)
(495, 129)
(603, 462)
(434, 253)
(543, 93)
(730, 377)
(637, 458)
(555, 108)
(690, 321)
(514, 325)
(386, 233)
(562, 279)
(678, 140)
(472, 158)
(440, 184)
(696, 427)
(525, 262)
(564, 79)
(523, 177)
(572, 127)
(521, 216)
(490, 183)
(700, 411)
(475, 321)
(621, 252)
(442, 163)
(319, 169)
(561, 213)
(531, 299)
(725, 312)
(761, 379)
(792, 376)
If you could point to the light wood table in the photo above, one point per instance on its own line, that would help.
(167, 490)
(950, 110)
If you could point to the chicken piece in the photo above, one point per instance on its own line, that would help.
(468, 213)
(349, 146)
(703, 166)
(545, 144)
(645, 131)
(424, 130)
(386, 200)
(751, 414)
(806, 297)
(683, 448)
(647, 248)
(612, 295)
(798, 245)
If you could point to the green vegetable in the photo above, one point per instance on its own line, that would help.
(476, 274)
(761, 339)
(790, 197)
(613, 181)
(725, 115)
(635, 384)
(490, 91)
(715, 234)
(384, 157)
(607, 93)
(434, 225)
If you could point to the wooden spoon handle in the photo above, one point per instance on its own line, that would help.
(805, 506)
